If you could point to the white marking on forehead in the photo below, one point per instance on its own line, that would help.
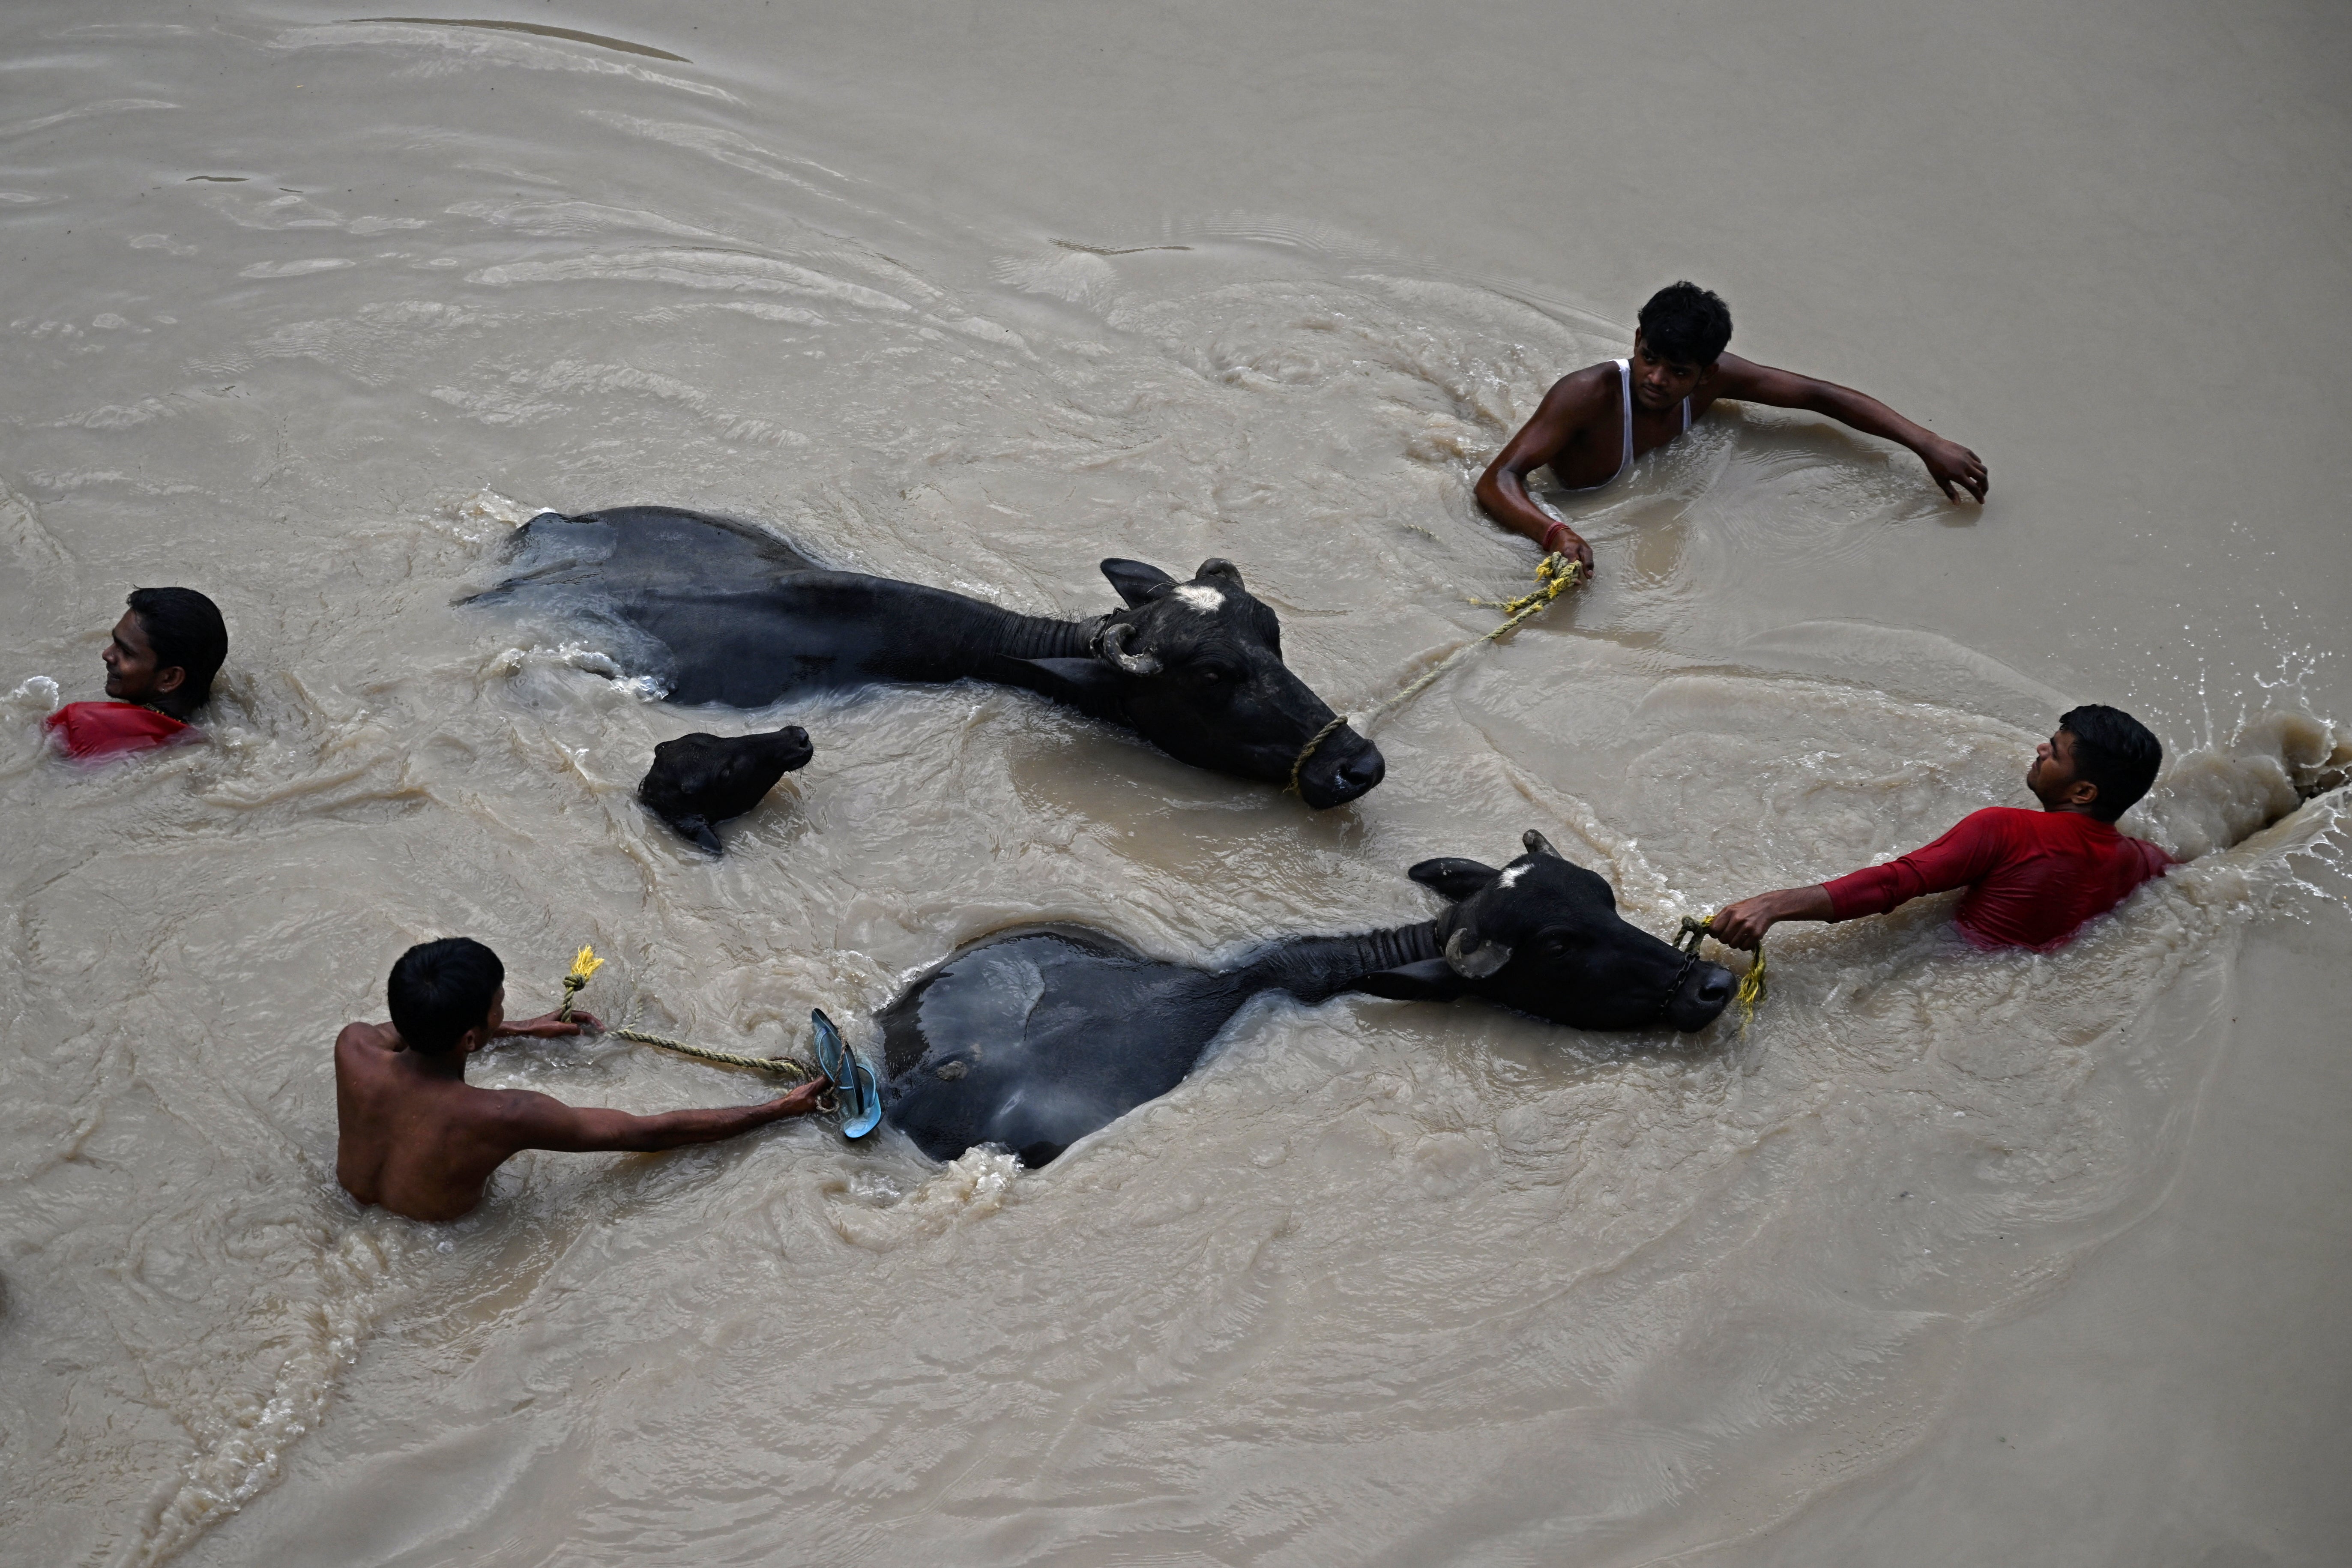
(1510, 875)
(1206, 600)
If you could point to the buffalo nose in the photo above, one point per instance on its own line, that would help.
(1341, 771)
(1714, 988)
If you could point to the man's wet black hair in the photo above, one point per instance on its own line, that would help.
(1685, 324)
(185, 628)
(2114, 751)
(441, 989)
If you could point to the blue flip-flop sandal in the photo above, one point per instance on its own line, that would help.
(853, 1080)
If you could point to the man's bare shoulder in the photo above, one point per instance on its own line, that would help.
(512, 1115)
(1574, 401)
(1588, 383)
(366, 1042)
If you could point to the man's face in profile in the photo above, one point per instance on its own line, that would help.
(130, 672)
(2054, 776)
(1662, 383)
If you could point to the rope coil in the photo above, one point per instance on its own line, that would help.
(1555, 574)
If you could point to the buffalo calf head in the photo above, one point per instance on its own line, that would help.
(699, 779)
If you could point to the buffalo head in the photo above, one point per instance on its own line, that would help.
(1543, 935)
(1196, 669)
(699, 779)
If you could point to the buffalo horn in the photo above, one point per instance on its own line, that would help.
(1114, 648)
(1473, 959)
(1539, 844)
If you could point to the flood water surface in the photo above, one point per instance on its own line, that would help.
(308, 312)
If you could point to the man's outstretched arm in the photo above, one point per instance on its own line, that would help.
(1966, 854)
(1948, 462)
(537, 1121)
(549, 1027)
(1743, 924)
(1572, 404)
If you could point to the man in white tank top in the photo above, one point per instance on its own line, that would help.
(1594, 422)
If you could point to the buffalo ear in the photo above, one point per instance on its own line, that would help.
(1474, 957)
(1088, 685)
(1537, 844)
(1453, 877)
(1138, 582)
(1427, 981)
(700, 831)
(1223, 570)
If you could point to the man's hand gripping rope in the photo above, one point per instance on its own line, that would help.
(1751, 985)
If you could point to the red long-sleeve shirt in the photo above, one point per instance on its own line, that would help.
(2032, 877)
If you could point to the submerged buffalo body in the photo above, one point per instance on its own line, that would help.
(700, 781)
(1032, 1039)
(723, 613)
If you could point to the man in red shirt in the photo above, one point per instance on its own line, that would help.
(160, 665)
(2032, 877)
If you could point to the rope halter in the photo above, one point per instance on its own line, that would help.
(1751, 985)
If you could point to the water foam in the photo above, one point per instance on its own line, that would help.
(242, 1446)
(2219, 795)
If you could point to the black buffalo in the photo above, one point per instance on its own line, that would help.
(700, 781)
(1033, 1038)
(721, 612)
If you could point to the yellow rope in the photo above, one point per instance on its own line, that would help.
(585, 968)
(1751, 985)
(783, 1067)
(1554, 576)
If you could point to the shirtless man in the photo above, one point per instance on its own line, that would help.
(2032, 877)
(1594, 422)
(414, 1136)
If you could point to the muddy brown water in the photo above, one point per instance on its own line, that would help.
(1950, 1258)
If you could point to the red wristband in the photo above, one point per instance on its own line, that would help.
(1549, 547)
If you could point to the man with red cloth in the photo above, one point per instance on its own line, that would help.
(159, 665)
(2032, 877)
